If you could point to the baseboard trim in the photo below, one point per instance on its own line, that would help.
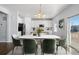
(6, 41)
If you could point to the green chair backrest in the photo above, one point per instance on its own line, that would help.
(29, 46)
(48, 46)
(16, 42)
(62, 42)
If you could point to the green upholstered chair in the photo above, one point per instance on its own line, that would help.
(29, 46)
(48, 46)
(62, 43)
(16, 43)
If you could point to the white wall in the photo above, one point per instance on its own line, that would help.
(19, 20)
(69, 11)
(28, 24)
(47, 23)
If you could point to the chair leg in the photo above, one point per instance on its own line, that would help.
(57, 50)
(42, 53)
(13, 50)
(36, 50)
(35, 53)
(17, 47)
(22, 51)
(65, 50)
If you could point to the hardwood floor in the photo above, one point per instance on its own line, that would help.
(5, 47)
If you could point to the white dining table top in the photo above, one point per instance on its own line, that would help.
(39, 37)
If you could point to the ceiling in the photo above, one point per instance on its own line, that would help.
(50, 10)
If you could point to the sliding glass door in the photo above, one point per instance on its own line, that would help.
(74, 21)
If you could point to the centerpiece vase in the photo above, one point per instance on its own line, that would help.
(38, 34)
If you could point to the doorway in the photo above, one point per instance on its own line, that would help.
(3, 27)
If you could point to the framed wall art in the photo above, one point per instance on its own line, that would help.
(61, 23)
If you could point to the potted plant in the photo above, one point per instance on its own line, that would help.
(39, 30)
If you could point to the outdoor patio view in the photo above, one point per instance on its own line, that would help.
(75, 34)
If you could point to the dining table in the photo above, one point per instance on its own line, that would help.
(40, 38)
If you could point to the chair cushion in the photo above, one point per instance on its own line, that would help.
(48, 46)
(29, 46)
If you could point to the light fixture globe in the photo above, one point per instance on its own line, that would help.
(40, 13)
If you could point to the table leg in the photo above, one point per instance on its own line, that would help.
(55, 47)
(39, 47)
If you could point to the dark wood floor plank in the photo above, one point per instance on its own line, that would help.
(5, 47)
